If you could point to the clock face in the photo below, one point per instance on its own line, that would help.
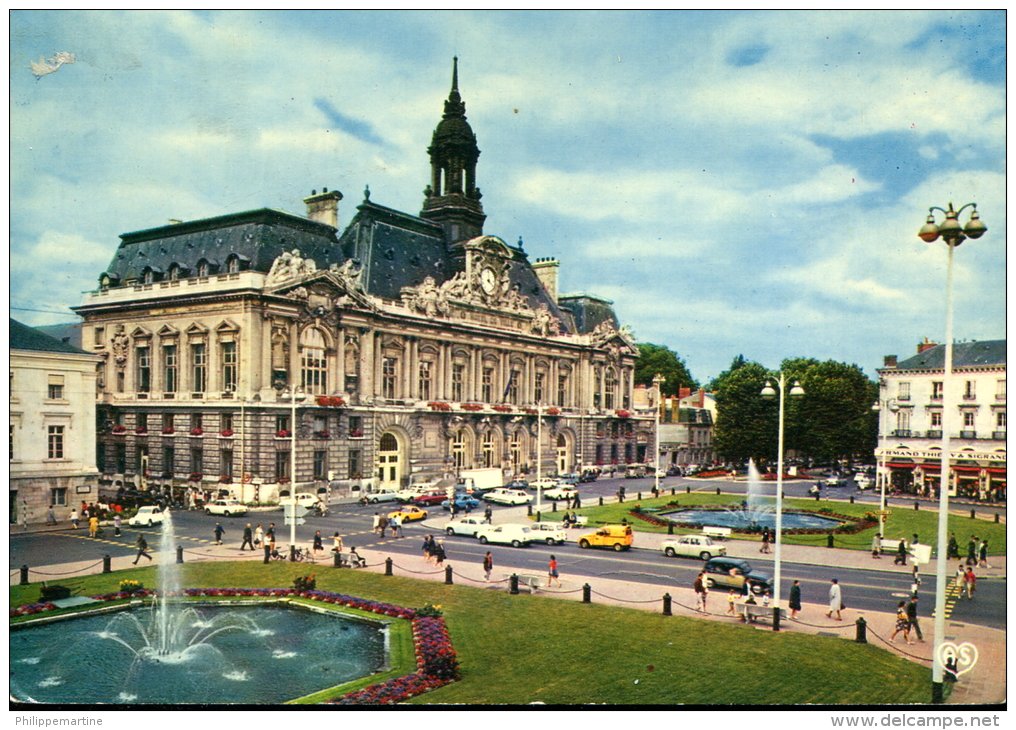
(488, 280)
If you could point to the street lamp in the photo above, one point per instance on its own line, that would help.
(893, 406)
(768, 392)
(953, 235)
(657, 400)
(539, 458)
(294, 396)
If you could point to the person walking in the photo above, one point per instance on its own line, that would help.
(795, 599)
(93, 525)
(74, 519)
(142, 545)
(259, 536)
(270, 537)
(953, 551)
(765, 540)
(961, 573)
(620, 493)
(439, 552)
(248, 538)
(972, 551)
(377, 523)
(487, 514)
(901, 553)
(902, 623)
(730, 602)
(488, 565)
(428, 548)
(219, 530)
(835, 599)
(117, 522)
(317, 546)
(396, 524)
(552, 572)
(982, 554)
(50, 516)
(912, 617)
(699, 587)
(970, 582)
(382, 525)
(876, 546)
(336, 543)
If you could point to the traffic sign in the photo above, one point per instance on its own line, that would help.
(299, 521)
(883, 512)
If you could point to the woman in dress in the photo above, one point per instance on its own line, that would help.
(902, 623)
(795, 599)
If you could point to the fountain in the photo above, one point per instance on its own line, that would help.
(174, 652)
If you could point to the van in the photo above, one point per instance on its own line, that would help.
(617, 537)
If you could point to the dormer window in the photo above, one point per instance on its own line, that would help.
(174, 272)
(233, 265)
(202, 268)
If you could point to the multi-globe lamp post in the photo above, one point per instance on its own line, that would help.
(658, 402)
(294, 396)
(769, 392)
(953, 234)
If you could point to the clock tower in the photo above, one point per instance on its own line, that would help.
(452, 199)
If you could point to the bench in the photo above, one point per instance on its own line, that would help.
(751, 612)
(533, 582)
(718, 532)
(891, 546)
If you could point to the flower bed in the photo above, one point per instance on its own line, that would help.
(436, 661)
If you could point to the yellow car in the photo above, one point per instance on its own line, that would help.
(409, 513)
(616, 537)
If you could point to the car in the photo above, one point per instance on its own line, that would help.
(503, 495)
(467, 526)
(589, 475)
(674, 470)
(616, 537)
(736, 573)
(560, 492)
(409, 513)
(462, 502)
(692, 546)
(634, 472)
(225, 507)
(303, 498)
(507, 534)
(551, 533)
(517, 484)
(147, 516)
(835, 481)
(382, 495)
(572, 479)
(544, 483)
(431, 498)
(864, 481)
(660, 473)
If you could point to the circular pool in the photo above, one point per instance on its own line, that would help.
(739, 519)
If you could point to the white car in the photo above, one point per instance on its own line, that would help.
(864, 482)
(507, 534)
(305, 499)
(502, 495)
(550, 532)
(147, 516)
(467, 526)
(692, 546)
(382, 495)
(225, 507)
(543, 484)
(561, 492)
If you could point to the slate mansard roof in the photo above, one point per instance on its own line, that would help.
(28, 338)
(965, 354)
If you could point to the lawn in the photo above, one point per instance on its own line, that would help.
(522, 649)
(903, 522)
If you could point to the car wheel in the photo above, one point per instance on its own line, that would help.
(450, 531)
(225, 514)
(705, 555)
(150, 523)
(583, 543)
(208, 512)
(710, 583)
(670, 552)
(550, 541)
(757, 589)
(618, 547)
(374, 501)
(483, 539)
(516, 543)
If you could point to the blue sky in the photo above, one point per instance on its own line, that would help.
(736, 182)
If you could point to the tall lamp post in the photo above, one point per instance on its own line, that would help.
(539, 458)
(768, 392)
(953, 235)
(893, 406)
(657, 401)
(294, 396)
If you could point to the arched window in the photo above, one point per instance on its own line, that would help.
(233, 265)
(202, 268)
(313, 364)
(174, 272)
(460, 450)
(490, 455)
(609, 388)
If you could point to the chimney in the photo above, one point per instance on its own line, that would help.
(889, 361)
(546, 272)
(701, 398)
(324, 208)
(926, 345)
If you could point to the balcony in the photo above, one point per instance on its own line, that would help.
(902, 433)
(998, 435)
(933, 434)
(968, 434)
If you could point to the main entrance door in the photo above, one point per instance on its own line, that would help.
(564, 455)
(390, 462)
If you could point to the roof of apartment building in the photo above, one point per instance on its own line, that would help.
(24, 337)
(965, 354)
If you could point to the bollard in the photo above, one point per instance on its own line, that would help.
(601, 501)
(336, 559)
(673, 491)
(829, 540)
(388, 566)
(687, 489)
(513, 585)
(639, 496)
(587, 593)
(851, 499)
(553, 506)
(666, 605)
(817, 497)
(973, 516)
(179, 554)
(717, 490)
(670, 528)
(448, 575)
(996, 518)
(862, 636)
(529, 509)
(24, 575)
(776, 618)
(917, 506)
(106, 567)
(537, 516)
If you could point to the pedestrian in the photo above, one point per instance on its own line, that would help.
(766, 598)
(961, 573)
(428, 553)
(953, 551)
(902, 623)
(488, 565)
(74, 518)
(765, 540)
(50, 516)
(970, 582)
(620, 493)
(116, 524)
(336, 543)
(454, 509)
(876, 546)
(835, 599)
(700, 591)
(982, 554)
(439, 552)
(93, 525)
(270, 536)
(577, 502)
(901, 553)
(248, 538)
(395, 522)
(487, 514)
(912, 617)
(259, 536)
(377, 523)
(972, 551)
(317, 546)
(219, 530)
(142, 545)
(552, 572)
(795, 599)
(730, 602)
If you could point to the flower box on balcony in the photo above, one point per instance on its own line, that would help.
(197, 431)
(503, 409)
(321, 434)
(553, 412)
(356, 433)
(119, 429)
(282, 434)
(330, 401)
(168, 431)
(195, 477)
(472, 407)
(530, 411)
(141, 431)
(225, 479)
(622, 414)
(227, 432)
(439, 406)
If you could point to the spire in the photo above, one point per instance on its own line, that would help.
(454, 107)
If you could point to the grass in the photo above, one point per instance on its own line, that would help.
(903, 522)
(523, 649)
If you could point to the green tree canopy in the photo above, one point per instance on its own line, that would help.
(655, 359)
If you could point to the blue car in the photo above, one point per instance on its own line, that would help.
(463, 502)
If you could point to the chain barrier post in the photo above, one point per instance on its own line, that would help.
(587, 593)
(670, 528)
(448, 575)
(666, 605)
(336, 559)
(529, 510)
(917, 506)
(973, 516)
(601, 501)
(862, 636)
(388, 566)
(179, 554)
(776, 618)
(513, 585)
(106, 567)
(24, 575)
(829, 540)
(553, 506)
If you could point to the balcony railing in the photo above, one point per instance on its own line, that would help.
(998, 435)
(968, 434)
(902, 432)
(933, 434)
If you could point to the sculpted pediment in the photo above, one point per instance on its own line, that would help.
(323, 290)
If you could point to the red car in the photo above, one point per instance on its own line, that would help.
(430, 498)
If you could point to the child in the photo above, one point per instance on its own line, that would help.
(730, 602)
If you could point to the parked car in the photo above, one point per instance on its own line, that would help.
(636, 471)
(589, 475)
(560, 492)
(550, 532)
(507, 496)
(736, 573)
(382, 495)
(572, 479)
(463, 502)
(617, 537)
(545, 483)
(674, 471)
(225, 507)
(507, 534)
(517, 484)
(148, 516)
(409, 513)
(692, 546)
(835, 481)
(864, 481)
(467, 526)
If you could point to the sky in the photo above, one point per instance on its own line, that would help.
(736, 182)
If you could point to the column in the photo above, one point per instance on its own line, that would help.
(266, 357)
(295, 373)
(340, 357)
(367, 364)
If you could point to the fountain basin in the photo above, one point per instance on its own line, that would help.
(741, 520)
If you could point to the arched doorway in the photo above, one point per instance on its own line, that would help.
(565, 454)
(390, 462)
(491, 448)
(461, 448)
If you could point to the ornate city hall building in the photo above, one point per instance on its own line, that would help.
(405, 346)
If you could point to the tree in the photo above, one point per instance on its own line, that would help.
(736, 363)
(655, 359)
(745, 422)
